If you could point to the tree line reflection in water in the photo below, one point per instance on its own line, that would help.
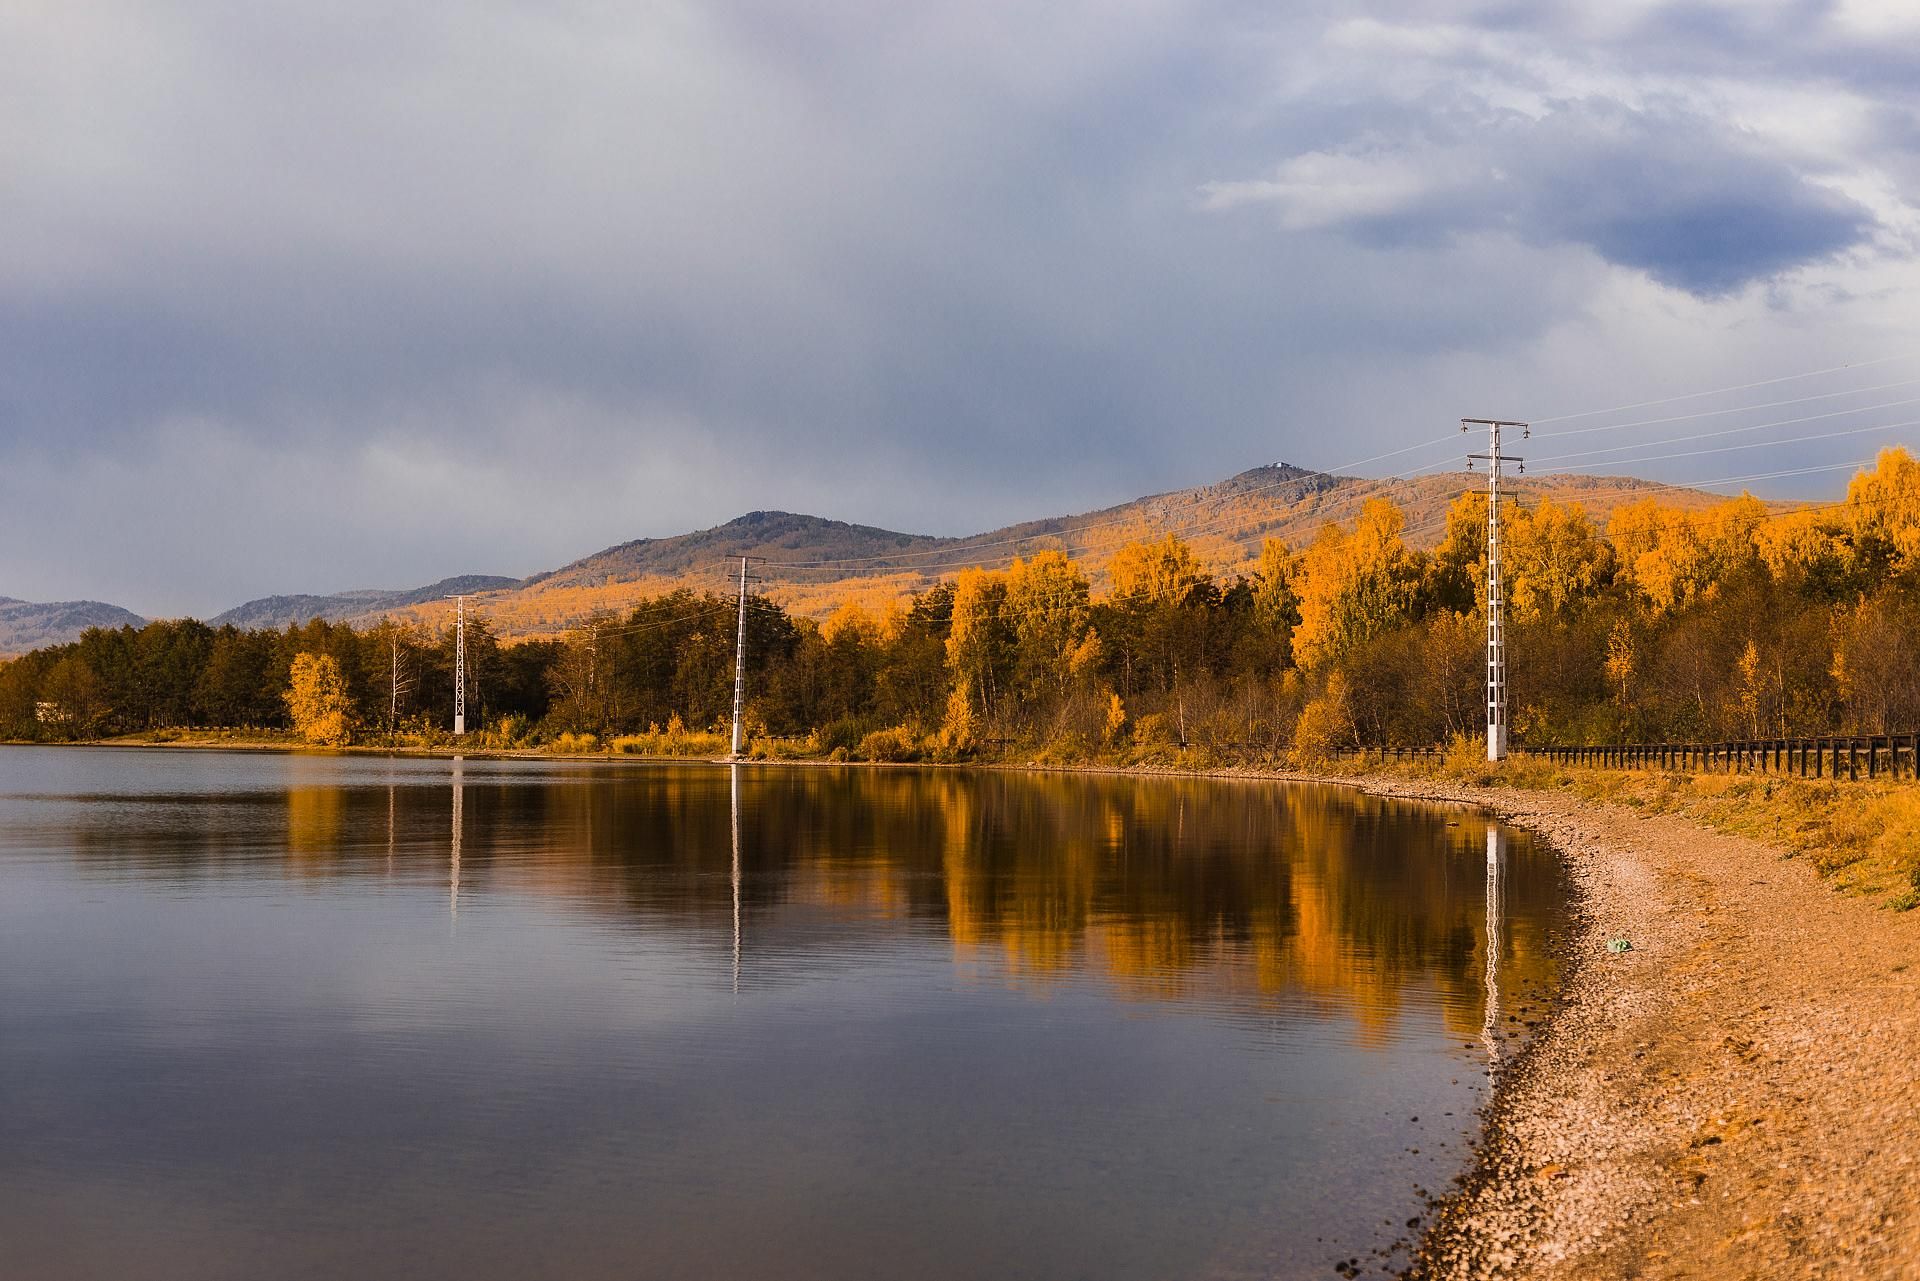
(1235, 890)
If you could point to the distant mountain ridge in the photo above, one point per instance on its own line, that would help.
(284, 611)
(812, 564)
(26, 625)
(774, 535)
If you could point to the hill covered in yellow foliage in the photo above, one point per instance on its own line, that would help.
(815, 565)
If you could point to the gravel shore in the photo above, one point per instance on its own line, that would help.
(1736, 1096)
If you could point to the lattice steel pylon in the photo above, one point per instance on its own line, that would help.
(1496, 623)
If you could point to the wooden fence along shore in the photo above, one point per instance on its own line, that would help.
(1845, 757)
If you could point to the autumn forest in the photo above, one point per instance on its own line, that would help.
(1666, 622)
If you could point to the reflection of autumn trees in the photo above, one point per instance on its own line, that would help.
(314, 818)
(1238, 891)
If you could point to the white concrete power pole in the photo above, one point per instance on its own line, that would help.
(1496, 625)
(460, 669)
(740, 666)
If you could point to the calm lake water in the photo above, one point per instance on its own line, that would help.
(315, 1016)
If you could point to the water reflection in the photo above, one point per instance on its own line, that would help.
(1495, 916)
(733, 788)
(891, 1023)
(459, 823)
(1170, 890)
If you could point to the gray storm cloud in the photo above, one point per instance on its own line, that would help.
(1696, 206)
(356, 295)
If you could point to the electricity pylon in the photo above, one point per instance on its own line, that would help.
(1496, 627)
(460, 669)
(740, 666)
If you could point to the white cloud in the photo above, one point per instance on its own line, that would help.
(1327, 189)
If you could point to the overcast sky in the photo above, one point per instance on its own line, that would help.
(307, 297)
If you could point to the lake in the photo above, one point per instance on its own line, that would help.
(295, 1015)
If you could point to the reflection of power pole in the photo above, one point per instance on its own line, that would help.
(740, 665)
(1494, 906)
(453, 880)
(1496, 630)
(734, 770)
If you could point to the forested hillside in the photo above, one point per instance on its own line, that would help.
(1665, 621)
(814, 566)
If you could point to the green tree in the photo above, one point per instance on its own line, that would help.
(75, 698)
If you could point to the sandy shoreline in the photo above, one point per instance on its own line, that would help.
(1737, 1096)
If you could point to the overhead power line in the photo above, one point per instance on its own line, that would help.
(1069, 537)
(1737, 431)
(1738, 409)
(1721, 391)
(1754, 444)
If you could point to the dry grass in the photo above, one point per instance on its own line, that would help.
(672, 742)
(1863, 836)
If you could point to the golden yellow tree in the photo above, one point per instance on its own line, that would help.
(851, 624)
(1155, 573)
(1273, 580)
(1459, 563)
(1555, 558)
(1884, 504)
(1805, 545)
(1325, 723)
(1753, 689)
(1676, 557)
(1353, 586)
(1620, 660)
(1046, 605)
(318, 701)
(979, 642)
